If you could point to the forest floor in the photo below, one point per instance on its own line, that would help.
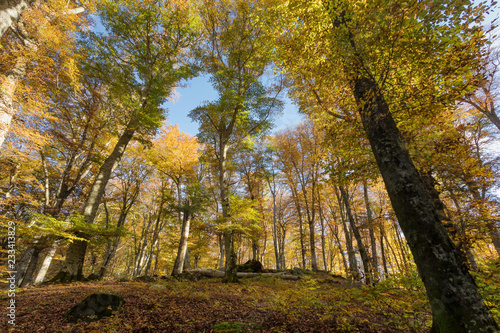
(318, 303)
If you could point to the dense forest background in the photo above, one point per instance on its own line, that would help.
(99, 185)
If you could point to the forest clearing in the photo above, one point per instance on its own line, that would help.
(316, 304)
(378, 212)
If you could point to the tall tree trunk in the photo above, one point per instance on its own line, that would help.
(255, 250)
(351, 254)
(371, 230)
(323, 237)
(282, 245)
(402, 248)
(10, 11)
(187, 260)
(196, 260)
(73, 264)
(310, 213)
(112, 245)
(108, 257)
(312, 243)
(22, 264)
(154, 240)
(382, 250)
(30, 270)
(182, 251)
(7, 90)
(394, 255)
(341, 250)
(275, 231)
(455, 301)
(220, 239)
(301, 223)
(357, 235)
(42, 272)
(231, 258)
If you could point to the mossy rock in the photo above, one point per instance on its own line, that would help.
(95, 307)
(159, 286)
(93, 277)
(234, 327)
(297, 271)
(145, 278)
(251, 266)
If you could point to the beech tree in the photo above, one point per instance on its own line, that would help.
(10, 12)
(142, 56)
(236, 56)
(175, 156)
(38, 49)
(365, 45)
(484, 98)
(300, 154)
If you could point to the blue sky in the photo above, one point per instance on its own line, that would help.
(199, 90)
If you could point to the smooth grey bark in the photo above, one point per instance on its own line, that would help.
(309, 201)
(10, 11)
(272, 189)
(22, 264)
(255, 250)
(323, 236)
(7, 90)
(335, 231)
(183, 244)
(231, 258)
(455, 301)
(151, 225)
(159, 224)
(382, 251)
(140, 246)
(73, 264)
(45, 182)
(312, 245)
(12, 183)
(30, 270)
(111, 248)
(277, 254)
(197, 258)
(353, 270)
(372, 232)
(361, 247)
(42, 272)
(281, 235)
(220, 240)
(301, 227)
(262, 254)
(187, 260)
